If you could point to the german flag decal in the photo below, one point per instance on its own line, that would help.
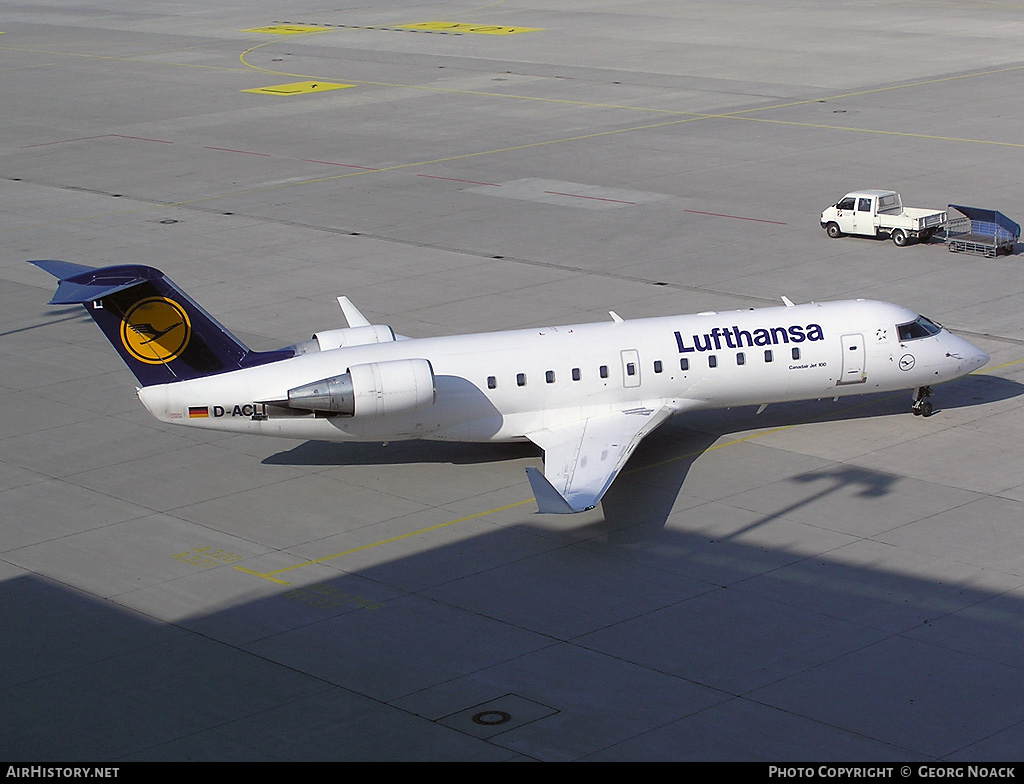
(198, 412)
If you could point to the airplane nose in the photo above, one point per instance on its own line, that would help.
(979, 358)
(974, 357)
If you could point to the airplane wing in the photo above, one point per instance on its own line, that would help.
(581, 459)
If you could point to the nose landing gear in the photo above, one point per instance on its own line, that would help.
(921, 405)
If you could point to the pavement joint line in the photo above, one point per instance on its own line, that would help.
(737, 115)
(689, 117)
(692, 115)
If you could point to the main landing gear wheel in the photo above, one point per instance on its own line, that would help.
(922, 406)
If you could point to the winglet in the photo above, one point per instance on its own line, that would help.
(352, 314)
(615, 316)
(549, 500)
(789, 302)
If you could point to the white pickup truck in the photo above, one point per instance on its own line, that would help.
(875, 213)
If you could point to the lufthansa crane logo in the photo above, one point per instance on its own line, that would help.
(155, 330)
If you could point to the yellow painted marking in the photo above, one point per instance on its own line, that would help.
(206, 556)
(876, 131)
(271, 575)
(685, 456)
(742, 114)
(997, 367)
(298, 88)
(265, 576)
(685, 117)
(140, 58)
(287, 29)
(462, 27)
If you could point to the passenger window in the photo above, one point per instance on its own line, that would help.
(630, 369)
(845, 204)
(575, 374)
(796, 353)
(741, 358)
(521, 379)
(684, 363)
(712, 361)
(492, 382)
(768, 356)
(864, 205)
(604, 371)
(550, 377)
(657, 366)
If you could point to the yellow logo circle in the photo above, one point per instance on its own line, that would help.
(155, 330)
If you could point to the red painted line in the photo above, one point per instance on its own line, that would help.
(455, 179)
(592, 198)
(346, 165)
(140, 138)
(101, 136)
(737, 217)
(243, 152)
(65, 141)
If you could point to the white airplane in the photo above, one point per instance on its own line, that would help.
(585, 394)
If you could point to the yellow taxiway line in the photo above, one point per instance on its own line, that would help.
(273, 575)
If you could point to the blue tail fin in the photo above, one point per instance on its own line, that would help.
(159, 331)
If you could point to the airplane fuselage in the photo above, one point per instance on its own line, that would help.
(501, 386)
(586, 394)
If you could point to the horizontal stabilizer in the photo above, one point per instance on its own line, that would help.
(61, 269)
(80, 285)
(160, 332)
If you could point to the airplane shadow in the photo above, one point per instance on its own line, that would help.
(634, 513)
(332, 453)
(640, 501)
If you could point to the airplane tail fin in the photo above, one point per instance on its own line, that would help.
(159, 331)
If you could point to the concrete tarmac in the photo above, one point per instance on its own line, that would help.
(823, 581)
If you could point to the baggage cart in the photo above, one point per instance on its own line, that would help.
(979, 231)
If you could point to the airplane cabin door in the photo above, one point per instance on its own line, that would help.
(854, 371)
(631, 368)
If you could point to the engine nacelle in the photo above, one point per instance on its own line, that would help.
(370, 390)
(349, 336)
(354, 336)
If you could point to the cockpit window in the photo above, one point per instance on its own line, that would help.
(919, 328)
